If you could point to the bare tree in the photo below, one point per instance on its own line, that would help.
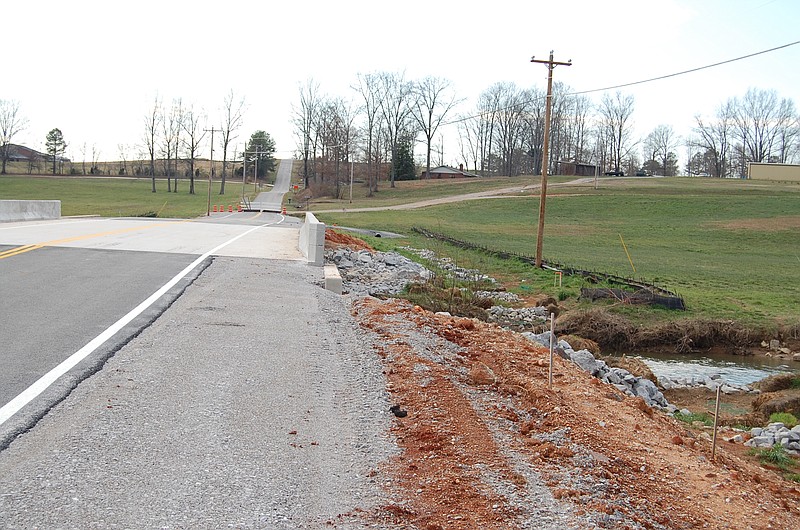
(152, 123)
(123, 157)
(395, 110)
(170, 131)
(369, 89)
(533, 122)
(509, 125)
(433, 100)
(194, 125)
(488, 108)
(95, 159)
(233, 115)
(659, 144)
(763, 123)
(615, 113)
(714, 139)
(468, 137)
(83, 149)
(304, 119)
(11, 123)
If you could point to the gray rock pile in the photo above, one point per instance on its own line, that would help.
(618, 377)
(450, 267)
(774, 434)
(524, 317)
(499, 296)
(374, 273)
(710, 382)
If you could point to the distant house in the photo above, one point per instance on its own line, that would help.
(576, 169)
(447, 172)
(20, 153)
(769, 171)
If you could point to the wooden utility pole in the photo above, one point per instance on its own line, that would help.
(550, 65)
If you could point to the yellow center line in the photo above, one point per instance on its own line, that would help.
(256, 216)
(27, 248)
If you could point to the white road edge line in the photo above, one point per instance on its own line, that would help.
(30, 393)
(34, 224)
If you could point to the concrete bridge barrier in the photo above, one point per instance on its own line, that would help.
(16, 210)
(312, 240)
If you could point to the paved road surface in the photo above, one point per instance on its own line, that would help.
(67, 283)
(253, 402)
(270, 201)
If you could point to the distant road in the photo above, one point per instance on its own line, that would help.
(66, 282)
(270, 201)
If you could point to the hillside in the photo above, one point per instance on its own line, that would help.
(486, 444)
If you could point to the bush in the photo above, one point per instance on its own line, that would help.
(786, 418)
(775, 456)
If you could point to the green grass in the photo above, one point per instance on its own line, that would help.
(690, 418)
(788, 419)
(731, 248)
(417, 190)
(775, 455)
(111, 197)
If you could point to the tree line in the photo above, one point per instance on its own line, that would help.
(174, 135)
(503, 133)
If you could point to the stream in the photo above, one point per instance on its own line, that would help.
(734, 369)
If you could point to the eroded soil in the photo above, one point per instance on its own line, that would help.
(487, 443)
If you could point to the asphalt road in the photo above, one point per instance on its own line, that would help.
(270, 201)
(65, 283)
(253, 401)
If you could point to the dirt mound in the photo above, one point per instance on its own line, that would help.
(335, 239)
(635, 366)
(487, 443)
(776, 382)
(617, 333)
(784, 401)
(580, 343)
(608, 330)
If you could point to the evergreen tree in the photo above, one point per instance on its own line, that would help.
(406, 168)
(55, 145)
(261, 147)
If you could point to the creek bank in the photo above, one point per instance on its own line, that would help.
(620, 378)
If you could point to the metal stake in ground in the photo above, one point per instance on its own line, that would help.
(716, 422)
(550, 368)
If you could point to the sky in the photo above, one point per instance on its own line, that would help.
(93, 68)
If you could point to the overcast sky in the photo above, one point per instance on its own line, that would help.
(93, 67)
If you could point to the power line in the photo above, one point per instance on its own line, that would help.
(684, 72)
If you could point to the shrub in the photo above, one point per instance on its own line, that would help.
(786, 418)
(775, 455)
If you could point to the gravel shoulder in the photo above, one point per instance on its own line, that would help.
(253, 402)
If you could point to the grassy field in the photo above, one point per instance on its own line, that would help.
(123, 197)
(406, 191)
(731, 248)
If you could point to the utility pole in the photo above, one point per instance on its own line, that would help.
(211, 169)
(551, 64)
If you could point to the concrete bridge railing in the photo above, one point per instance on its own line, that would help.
(312, 240)
(17, 210)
